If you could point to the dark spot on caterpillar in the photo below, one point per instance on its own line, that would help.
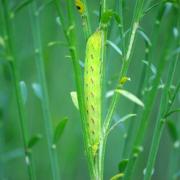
(92, 107)
(92, 81)
(92, 69)
(92, 56)
(93, 132)
(92, 94)
(78, 7)
(87, 98)
(87, 111)
(92, 120)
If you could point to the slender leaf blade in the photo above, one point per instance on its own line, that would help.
(59, 129)
(34, 140)
(131, 97)
(75, 99)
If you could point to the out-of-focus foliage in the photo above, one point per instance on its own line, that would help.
(60, 82)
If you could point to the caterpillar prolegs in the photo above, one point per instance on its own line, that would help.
(92, 89)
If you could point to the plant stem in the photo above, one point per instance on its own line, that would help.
(44, 100)
(100, 155)
(145, 116)
(158, 130)
(11, 57)
(71, 39)
(86, 21)
(123, 72)
(126, 60)
(124, 69)
(160, 122)
(144, 80)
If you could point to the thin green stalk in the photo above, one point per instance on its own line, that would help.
(2, 144)
(122, 25)
(173, 165)
(132, 125)
(44, 100)
(11, 57)
(144, 80)
(160, 122)
(126, 60)
(159, 126)
(137, 144)
(86, 20)
(124, 69)
(123, 72)
(100, 162)
(71, 39)
(173, 171)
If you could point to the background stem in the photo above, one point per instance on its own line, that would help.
(11, 57)
(44, 100)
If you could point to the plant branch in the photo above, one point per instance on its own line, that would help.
(44, 100)
(11, 57)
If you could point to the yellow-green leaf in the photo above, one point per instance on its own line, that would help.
(75, 99)
(130, 96)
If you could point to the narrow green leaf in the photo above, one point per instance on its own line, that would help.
(122, 165)
(173, 132)
(58, 21)
(34, 140)
(53, 43)
(44, 5)
(21, 5)
(23, 89)
(153, 6)
(2, 42)
(130, 96)
(75, 99)
(117, 176)
(114, 46)
(172, 112)
(37, 90)
(59, 129)
(145, 37)
(123, 119)
(107, 16)
(117, 18)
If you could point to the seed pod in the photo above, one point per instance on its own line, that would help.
(92, 88)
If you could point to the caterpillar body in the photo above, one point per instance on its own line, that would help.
(92, 89)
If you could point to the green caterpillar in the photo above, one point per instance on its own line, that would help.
(92, 88)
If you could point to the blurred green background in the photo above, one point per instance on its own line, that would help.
(60, 82)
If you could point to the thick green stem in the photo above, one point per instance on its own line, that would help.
(44, 100)
(160, 122)
(144, 80)
(11, 57)
(124, 69)
(71, 39)
(137, 144)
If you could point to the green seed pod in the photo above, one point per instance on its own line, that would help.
(92, 88)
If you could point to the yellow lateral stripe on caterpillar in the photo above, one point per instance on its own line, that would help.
(79, 6)
(92, 88)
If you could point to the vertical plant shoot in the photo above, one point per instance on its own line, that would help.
(92, 89)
